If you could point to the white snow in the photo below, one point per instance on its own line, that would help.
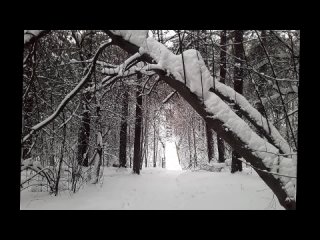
(158, 188)
(172, 161)
(194, 66)
(99, 139)
(28, 34)
(134, 36)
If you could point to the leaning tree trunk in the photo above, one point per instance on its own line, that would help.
(223, 66)
(137, 132)
(123, 130)
(236, 164)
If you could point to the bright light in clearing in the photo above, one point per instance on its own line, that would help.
(172, 162)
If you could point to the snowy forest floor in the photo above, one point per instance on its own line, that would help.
(158, 188)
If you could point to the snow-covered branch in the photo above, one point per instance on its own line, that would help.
(168, 97)
(69, 96)
(275, 79)
(253, 115)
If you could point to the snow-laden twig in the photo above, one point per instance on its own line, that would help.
(275, 79)
(168, 97)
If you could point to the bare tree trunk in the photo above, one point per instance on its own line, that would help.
(210, 143)
(84, 131)
(83, 137)
(146, 139)
(236, 164)
(52, 141)
(28, 106)
(223, 66)
(61, 157)
(99, 148)
(142, 140)
(137, 131)
(123, 130)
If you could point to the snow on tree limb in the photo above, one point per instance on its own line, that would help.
(253, 115)
(219, 116)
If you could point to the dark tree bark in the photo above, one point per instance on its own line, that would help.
(123, 130)
(27, 123)
(146, 139)
(223, 66)
(210, 143)
(84, 131)
(137, 131)
(52, 141)
(83, 137)
(236, 164)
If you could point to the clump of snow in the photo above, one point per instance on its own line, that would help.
(99, 139)
(28, 34)
(136, 37)
(198, 78)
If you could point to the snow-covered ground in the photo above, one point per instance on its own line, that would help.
(158, 188)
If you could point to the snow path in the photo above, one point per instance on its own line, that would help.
(162, 189)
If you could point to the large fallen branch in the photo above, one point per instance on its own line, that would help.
(217, 114)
